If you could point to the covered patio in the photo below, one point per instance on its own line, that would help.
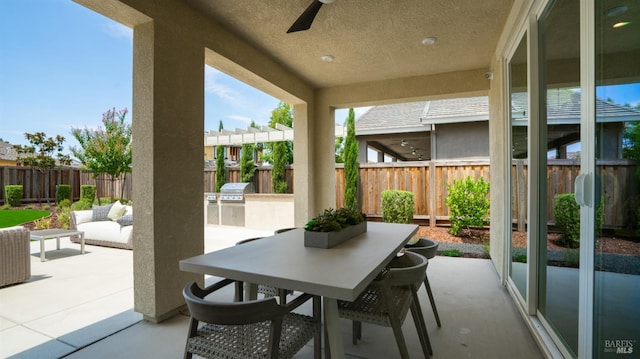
(81, 306)
(363, 53)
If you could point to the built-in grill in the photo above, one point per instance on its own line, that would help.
(231, 200)
(234, 192)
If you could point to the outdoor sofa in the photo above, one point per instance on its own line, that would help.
(103, 230)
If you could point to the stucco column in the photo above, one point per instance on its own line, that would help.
(168, 112)
(324, 158)
(303, 142)
(313, 160)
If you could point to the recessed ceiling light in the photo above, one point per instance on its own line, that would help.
(328, 58)
(429, 40)
(615, 11)
(621, 24)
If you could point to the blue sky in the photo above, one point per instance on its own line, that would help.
(62, 66)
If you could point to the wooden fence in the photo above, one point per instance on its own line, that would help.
(41, 186)
(427, 179)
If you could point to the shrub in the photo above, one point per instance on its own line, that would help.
(102, 201)
(6, 206)
(468, 204)
(88, 192)
(81, 205)
(63, 191)
(520, 257)
(28, 207)
(42, 223)
(566, 213)
(397, 206)
(64, 217)
(13, 194)
(46, 207)
(65, 203)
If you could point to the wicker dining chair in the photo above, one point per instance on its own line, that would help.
(388, 299)
(427, 248)
(254, 329)
(266, 290)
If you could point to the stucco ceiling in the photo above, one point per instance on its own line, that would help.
(370, 40)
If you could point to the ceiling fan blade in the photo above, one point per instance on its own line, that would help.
(306, 19)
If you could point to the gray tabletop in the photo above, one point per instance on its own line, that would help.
(282, 260)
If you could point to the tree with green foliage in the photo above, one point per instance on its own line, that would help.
(339, 146)
(351, 165)
(631, 147)
(39, 155)
(106, 150)
(280, 115)
(221, 173)
(247, 165)
(279, 154)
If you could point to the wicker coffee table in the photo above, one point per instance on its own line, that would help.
(55, 233)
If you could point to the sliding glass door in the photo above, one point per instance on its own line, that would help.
(616, 210)
(558, 150)
(519, 119)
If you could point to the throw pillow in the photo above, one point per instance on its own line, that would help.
(116, 211)
(101, 213)
(126, 220)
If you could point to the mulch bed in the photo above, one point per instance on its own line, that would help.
(605, 244)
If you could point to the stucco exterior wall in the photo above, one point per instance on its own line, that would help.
(462, 140)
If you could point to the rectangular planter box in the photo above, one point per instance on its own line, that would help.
(330, 239)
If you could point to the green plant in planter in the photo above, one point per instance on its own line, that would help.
(331, 220)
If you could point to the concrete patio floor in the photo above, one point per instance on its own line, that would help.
(81, 306)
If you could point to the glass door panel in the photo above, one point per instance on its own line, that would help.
(617, 146)
(519, 98)
(559, 153)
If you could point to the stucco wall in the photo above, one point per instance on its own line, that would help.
(269, 211)
(462, 140)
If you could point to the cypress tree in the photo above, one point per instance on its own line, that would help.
(221, 175)
(351, 164)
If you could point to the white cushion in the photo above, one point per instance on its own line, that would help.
(116, 211)
(83, 216)
(128, 210)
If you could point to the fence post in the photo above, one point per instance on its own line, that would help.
(432, 193)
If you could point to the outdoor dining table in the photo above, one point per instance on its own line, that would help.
(282, 261)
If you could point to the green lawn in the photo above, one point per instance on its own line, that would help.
(14, 217)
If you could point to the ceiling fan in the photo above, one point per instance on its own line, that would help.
(306, 19)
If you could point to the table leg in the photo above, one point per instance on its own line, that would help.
(332, 323)
(42, 259)
(250, 291)
(81, 243)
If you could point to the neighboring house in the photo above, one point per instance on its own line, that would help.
(459, 128)
(8, 155)
(428, 130)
